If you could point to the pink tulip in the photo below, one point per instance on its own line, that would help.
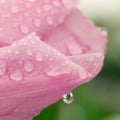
(48, 48)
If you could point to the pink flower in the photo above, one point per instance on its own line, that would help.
(48, 48)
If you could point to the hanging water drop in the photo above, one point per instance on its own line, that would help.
(68, 98)
(28, 66)
(16, 51)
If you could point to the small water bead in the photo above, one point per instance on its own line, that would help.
(14, 9)
(37, 22)
(29, 66)
(3, 67)
(16, 51)
(29, 52)
(16, 75)
(24, 29)
(39, 56)
(68, 98)
(55, 69)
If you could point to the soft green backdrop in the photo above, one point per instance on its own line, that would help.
(99, 99)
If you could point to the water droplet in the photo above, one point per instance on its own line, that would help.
(24, 29)
(49, 20)
(9, 50)
(28, 66)
(2, 67)
(16, 75)
(47, 7)
(14, 9)
(103, 30)
(56, 70)
(38, 10)
(37, 22)
(17, 51)
(68, 98)
(39, 57)
(29, 52)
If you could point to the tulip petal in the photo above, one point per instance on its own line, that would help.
(34, 76)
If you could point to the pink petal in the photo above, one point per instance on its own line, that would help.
(33, 76)
(77, 35)
(21, 17)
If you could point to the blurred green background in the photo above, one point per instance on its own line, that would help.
(99, 99)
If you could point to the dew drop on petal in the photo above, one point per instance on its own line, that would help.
(3, 67)
(38, 10)
(24, 29)
(17, 51)
(16, 75)
(29, 52)
(14, 9)
(29, 66)
(37, 22)
(39, 56)
(68, 98)
(49, 20)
